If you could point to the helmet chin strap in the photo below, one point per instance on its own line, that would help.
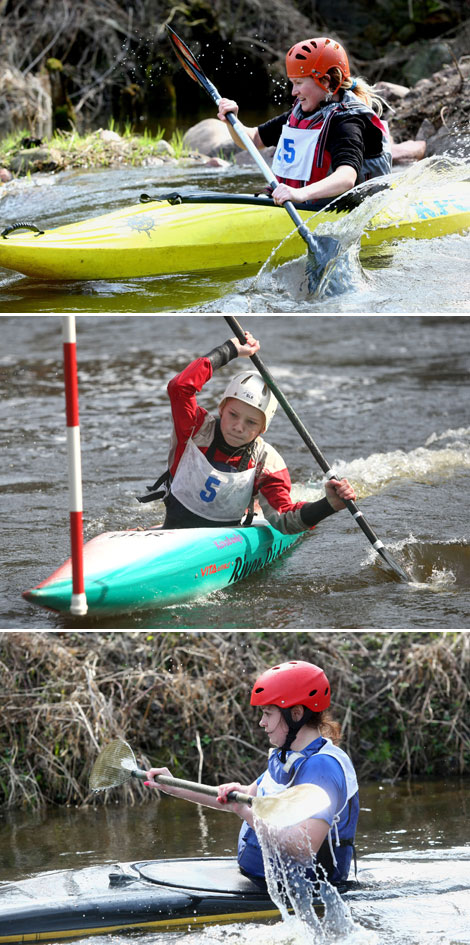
(294, 728)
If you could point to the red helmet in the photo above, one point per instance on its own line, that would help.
(294, 683)
(315, 57)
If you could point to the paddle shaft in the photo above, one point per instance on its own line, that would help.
(316, 452)
(193, 69)
(250, 146)
(194, 786)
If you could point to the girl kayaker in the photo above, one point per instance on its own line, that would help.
(293, 698)
(332, 138)
(218, 464)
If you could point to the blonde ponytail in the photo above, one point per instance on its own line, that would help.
(359, 86)
(365, 92)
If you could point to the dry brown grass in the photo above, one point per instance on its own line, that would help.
(182, 699)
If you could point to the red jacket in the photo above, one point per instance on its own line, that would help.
(272, 479)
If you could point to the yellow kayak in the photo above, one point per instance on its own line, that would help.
(160, 237)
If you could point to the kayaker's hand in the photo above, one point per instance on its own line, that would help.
(250, 347)
(283, 192)
(225, 790)
(242, 810)
(226, 105)
(151, 773)
(336, 490)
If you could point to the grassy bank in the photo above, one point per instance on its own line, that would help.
(102, 148)
(182, 699)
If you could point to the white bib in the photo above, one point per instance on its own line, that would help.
(209, 492)
(295, 152)
(348, 769)
(268, 785)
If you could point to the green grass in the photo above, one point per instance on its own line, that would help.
(176, 142)
(90, 150)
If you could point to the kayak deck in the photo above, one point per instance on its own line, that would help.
(183, 893)
(149, 895)
(162, 238)
(156, 567)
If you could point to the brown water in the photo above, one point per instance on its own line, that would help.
(413, 837)
(385, 398)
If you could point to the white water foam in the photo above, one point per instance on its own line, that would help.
(287, 932)
(372, 474)
(344, 271)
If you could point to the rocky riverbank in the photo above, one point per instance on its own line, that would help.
(101, 148)
(67, 72)
(432, 117)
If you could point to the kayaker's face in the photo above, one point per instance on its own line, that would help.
(274, 725)
(240, 423)
(307, 92)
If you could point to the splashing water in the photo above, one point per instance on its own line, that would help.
(339, 240)
(435, 566)
(287, 932)
(372, 474)
(293, 889)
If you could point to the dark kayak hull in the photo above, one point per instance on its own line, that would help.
(149, 895)
(184, 893)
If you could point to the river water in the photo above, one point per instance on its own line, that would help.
(412, 276)
(384, 397)
(412, 843)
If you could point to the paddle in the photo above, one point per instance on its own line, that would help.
(117, 764)
(324, 465)
(320, 248)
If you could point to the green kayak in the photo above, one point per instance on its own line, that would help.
(133, 569)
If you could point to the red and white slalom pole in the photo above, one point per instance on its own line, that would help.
(78, 606)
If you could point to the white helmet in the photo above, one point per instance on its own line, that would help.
(251, 389)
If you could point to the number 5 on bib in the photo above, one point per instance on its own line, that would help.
(209, 493)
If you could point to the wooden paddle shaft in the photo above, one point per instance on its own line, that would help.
(207, 789)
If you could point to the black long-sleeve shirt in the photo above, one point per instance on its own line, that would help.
(350, 138)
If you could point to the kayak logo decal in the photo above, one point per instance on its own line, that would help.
(243, 566)
(230, 540)
(157, 532)
(438, 208)
(214, 568)
(142, 224)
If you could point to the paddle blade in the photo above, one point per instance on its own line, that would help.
(326, 248)
(185, 56)
(394, 565)
(114, 765)
(291, 806)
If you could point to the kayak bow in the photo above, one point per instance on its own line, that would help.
(184, 893)
(135, 569)
(155, 894)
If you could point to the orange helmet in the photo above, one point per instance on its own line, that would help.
(294, 683)
(316, 57)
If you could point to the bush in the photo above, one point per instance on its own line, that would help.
(182, 699)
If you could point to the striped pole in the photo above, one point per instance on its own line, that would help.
(78, 606)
